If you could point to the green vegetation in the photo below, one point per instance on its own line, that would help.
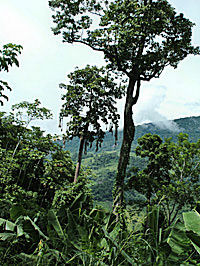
(53, 213)
(104, 162)
(35, 176)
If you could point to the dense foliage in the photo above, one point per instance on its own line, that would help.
(35, 175)
(171, 175)
(46, 219)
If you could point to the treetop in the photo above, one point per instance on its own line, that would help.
(139, 38)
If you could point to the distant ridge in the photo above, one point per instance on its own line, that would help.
(166, 129)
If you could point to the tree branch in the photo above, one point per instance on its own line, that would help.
(86, 43)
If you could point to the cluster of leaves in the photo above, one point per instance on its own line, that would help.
(8, 57)
(95, 238)
(177, 244)
(26, 112)
(23, 155)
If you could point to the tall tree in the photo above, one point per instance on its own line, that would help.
(89, 102)
(8, 57)
(139, 38)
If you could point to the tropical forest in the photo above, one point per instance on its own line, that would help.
(99, 194)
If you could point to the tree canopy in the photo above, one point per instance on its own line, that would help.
(140, 37)
(90, 100)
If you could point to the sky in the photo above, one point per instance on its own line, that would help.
(45, 62)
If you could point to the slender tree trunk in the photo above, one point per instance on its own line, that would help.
(128, 136)
(80, 153)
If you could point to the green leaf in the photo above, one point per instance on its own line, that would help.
(6, 236)
(192, 221)
(16, 211)
(27, 257)
(53, 220)
(10, 226)
(192, 224)
(2, 221)
(123, 253)
(26, 218)
(195, 239)
(20, 231)
(178, 240)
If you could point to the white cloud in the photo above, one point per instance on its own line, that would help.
(149, 106)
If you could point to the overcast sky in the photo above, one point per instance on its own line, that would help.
(45, 62)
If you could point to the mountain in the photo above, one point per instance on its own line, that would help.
(104, 162)
(167, 129)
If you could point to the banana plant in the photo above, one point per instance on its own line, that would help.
(15, 235)
(175, 244)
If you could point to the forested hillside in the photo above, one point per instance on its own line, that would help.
(104, 162)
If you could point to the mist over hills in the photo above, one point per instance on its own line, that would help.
(166, 129)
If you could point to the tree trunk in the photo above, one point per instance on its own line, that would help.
(128, 136)
(80, 153)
